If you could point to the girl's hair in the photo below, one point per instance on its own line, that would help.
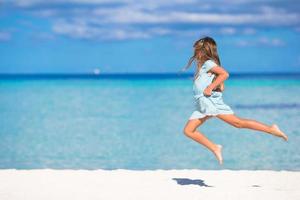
(208, 48)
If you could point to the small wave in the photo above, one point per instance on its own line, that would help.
(268, 106)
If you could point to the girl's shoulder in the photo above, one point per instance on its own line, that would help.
(208, 64)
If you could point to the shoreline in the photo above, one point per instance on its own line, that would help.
(148, 184)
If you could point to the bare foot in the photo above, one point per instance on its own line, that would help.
(218, 153)
(278, 132)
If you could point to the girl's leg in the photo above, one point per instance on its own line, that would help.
(252, 124)
(191, 132)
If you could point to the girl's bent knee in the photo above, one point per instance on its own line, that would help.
(187, 132)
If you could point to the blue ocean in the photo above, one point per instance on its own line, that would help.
(136, 122)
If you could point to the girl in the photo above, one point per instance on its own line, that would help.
(208, 87)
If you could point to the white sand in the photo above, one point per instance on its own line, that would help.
(46, 184)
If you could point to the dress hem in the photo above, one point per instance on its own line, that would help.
(205, 115)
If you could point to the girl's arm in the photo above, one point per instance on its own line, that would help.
(222, 75)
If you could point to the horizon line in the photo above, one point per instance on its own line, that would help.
(45, 76)
(142, 73)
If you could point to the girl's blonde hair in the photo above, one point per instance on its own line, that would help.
(208, 48)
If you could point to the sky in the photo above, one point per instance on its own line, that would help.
(147, 36)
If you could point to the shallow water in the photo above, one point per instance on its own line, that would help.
(131, 123)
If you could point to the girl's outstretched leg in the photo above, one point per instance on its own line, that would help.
(252, 124)
(191, 132)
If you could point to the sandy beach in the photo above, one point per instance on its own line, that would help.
(195, 184)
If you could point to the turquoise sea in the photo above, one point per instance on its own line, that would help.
(136, 122)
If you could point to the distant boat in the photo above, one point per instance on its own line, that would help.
(96, 71)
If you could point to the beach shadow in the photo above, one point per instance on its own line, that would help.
(256, 186)
(186, 181)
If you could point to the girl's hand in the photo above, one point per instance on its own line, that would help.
(207, 91)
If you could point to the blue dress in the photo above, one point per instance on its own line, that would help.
(207, 105)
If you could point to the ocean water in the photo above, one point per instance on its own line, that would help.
(137, 123)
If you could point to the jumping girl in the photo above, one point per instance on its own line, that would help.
(208, 87)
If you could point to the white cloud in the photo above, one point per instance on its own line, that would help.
(150, 4)
(5, 36)
(271, 42)
(249, 31)
(228, 31)
(132, 12)
(261, 41)
(44, 36)
(129, 15)
(46, 12)
(30, 3)
(297, 29)
(123, 19)
(82, 30)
